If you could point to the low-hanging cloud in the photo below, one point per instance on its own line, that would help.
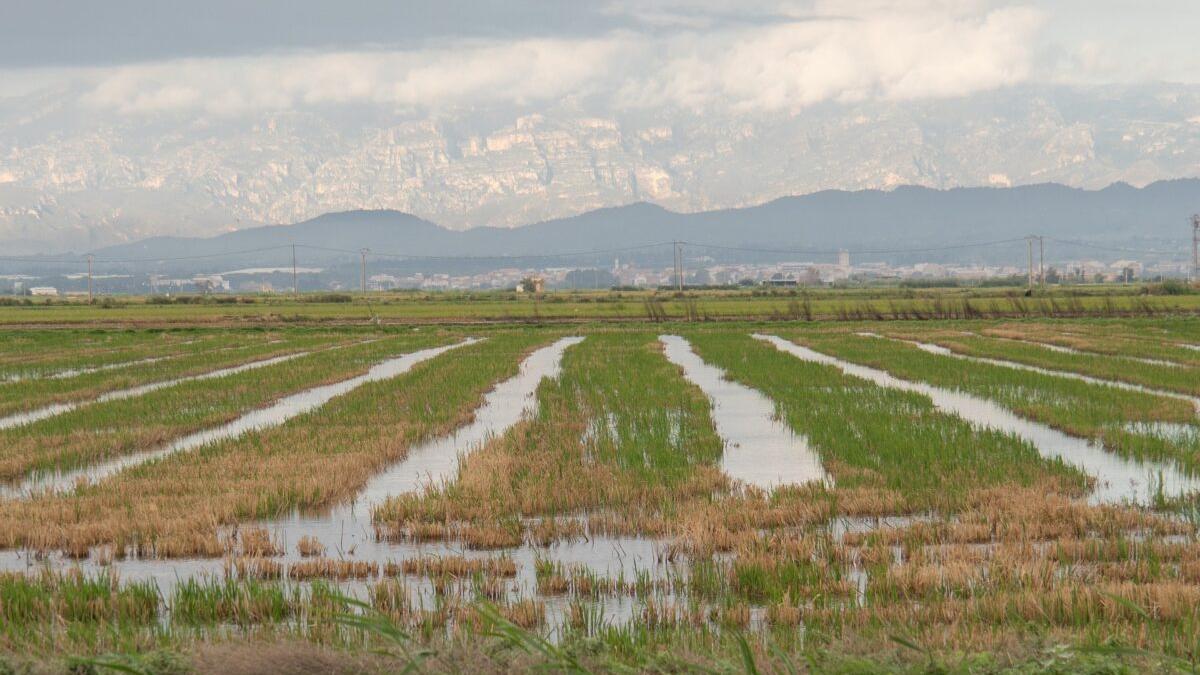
(786, 63)
(520, 71)
(884, 55)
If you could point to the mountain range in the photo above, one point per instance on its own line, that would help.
(815, 225)
(79, 179)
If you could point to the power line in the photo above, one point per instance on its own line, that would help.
(47, 261)
(499, 256)
(1114, 249)
(84, 260)
(750, 249)
(293, 247)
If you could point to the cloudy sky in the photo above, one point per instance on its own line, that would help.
(124, 119)
(230, 56)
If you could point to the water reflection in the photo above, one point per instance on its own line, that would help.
(1128, 386)
(273, 415)
(347, 529)
(759, 449)
(31, 416)
(1118, 479)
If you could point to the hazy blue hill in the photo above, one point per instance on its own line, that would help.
(904, 217)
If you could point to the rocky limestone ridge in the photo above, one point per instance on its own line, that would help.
(119, 179)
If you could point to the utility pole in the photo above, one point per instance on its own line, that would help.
(679, 265)
(1196, 248)
(90, 259)
(675, 264)
(1029, 240)
(1041, 261)
(295, 285)
(362, 252)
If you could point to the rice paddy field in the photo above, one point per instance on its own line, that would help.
(636, 305)
(799, 492)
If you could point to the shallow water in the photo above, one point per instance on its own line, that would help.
(759, 449)
(840, 526)
(1052, 347)
(273, 415)
(75, 372)
(347, 531)
(1071, 350)
(31, 416)
(609, 557)
(349, 527)
(1171, 431)
(1128, 386)
(1118, 479)
(434, 463)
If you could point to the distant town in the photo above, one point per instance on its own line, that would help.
(696, 272)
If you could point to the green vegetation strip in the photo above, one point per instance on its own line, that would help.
(871, 436)
(104, 430)
(1172, 329)
(1178, 378)
(19, 346)
(865, 303)
(172, 507)
(75, 623)
(1075, 407)
(1107, 338)
(235, 349)
(122, 350)
(620, 430)
(645, 419)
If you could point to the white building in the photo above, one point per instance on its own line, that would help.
(207, 283)
(44, 290)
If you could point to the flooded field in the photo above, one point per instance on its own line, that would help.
(798, 486)
(945, 351)
(273, 415)
(58, 409)
(759, 449)
(1118, 479)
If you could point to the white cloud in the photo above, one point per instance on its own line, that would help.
(883, 55)
(1092, 42)
(470, 73)
(932, 48)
